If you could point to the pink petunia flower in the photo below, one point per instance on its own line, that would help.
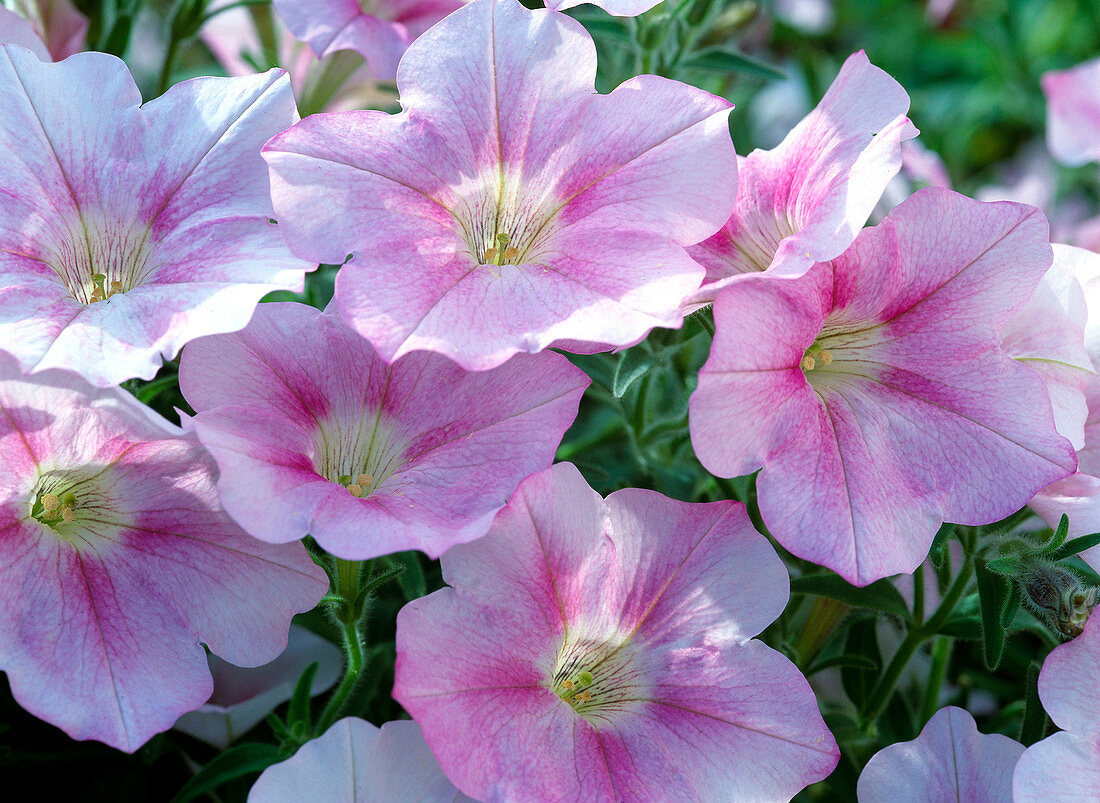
(1073, 113)
(315, 434)
(950, 760)
(1066, 766)
(355, 762)
(379, 30)
(53, 29)
(130, 229)
(617, 8)
(117, 563)
(805, 200)
(602, 649)
(875, 391)
(510, 207)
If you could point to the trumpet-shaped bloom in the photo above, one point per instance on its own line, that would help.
(355, 762)
(125, 229)
(875, 391)
(244, 696)
(1066, 766)
(509, 207)
(805, 200)
(117, 564)
(950, 760)
(379, 30)
(602, 649)
(53, 29)
(1073, 113)
(314, 433)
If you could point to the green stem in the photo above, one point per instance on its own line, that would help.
(239, 4)
(353, 647)
(916, 636)
(918, 596)
(169, 62)
(941, 651)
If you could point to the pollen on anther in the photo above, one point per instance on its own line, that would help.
(364, 480)
(50, 502)
(67, 514)
(490, 255)
(808, 363)
(355, 490)
(826, 357)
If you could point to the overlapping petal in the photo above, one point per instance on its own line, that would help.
(357, 762)
(875, 391)
(111, 587)
(950, 760)
(805, 200)
(297, 401)
(604, 648)
(127, 231)
(53, 29)
(1066, 766)
(510, 206)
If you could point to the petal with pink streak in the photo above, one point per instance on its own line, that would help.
(169, 200)
(356, 762)
(919, 417)
(149, 569)
(950, 760)
(806, 200)
(1073, 113)
(297, 399)
(660, 600)
(1063, 768)
(580, 183)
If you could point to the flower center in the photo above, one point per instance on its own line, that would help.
(359, 453)
(505, 222)
(77, 506)
(100, 259)
(598, 678)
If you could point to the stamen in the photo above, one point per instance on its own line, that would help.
(355, 490)
(50, 502)
(364, 480)
(825, 357)
(490, 257)
(67, 514)
(808, 363)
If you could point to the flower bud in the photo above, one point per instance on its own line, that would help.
(1058, 596)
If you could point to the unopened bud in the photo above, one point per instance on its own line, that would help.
(1058, 596)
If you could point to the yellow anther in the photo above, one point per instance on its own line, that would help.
(67, 514)
(511, 253)
(490, 255)
(808, 363)
(50, 502)
(364, 480)
(825, 357)
(355, 490)
(116, 287)
(568, 685)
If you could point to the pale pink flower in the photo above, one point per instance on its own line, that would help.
(1066, 766)
(129, 229)
(1073, 113)
(875, 392)
(510, 207)
(355, 762)
(53, 29)
(378, 30)
(950, 760)
(243, 696)
(805, 200)
(315, 434)
(117, 564)
(617, 8)
(595, 650)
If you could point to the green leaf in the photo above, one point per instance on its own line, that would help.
(1059, 536)
(966, 620)
(412, 579)
(857, 661)
(880, 595)
(938, 550)
(727, 61)
(299, 701)
(632, 366)
(1011, 606)
(1034, 724)
(1075, 545)
(862, 641)
(993, 592)
(1008, 565)
(241, 759)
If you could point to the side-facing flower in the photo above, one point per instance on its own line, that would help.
(117, 564)
(805, 200)
(595, 649)
(378, 30)
(875, 391)
(355, 762)
(510, 207)
(315, 433)
(1066, 766)
(950, 760)
(130, 229)
(1073, 113)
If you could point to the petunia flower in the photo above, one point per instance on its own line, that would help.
(875, 391)
(602, 649)
(617, 8)
(1073, 113)
(243, 696)
(510, 207)
(379, 30)
(315, 433)
(805, 200)
(950, 760)
(1066, 766)
(355, 762)
(117, 564)
(130, 229)
(53, 29)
